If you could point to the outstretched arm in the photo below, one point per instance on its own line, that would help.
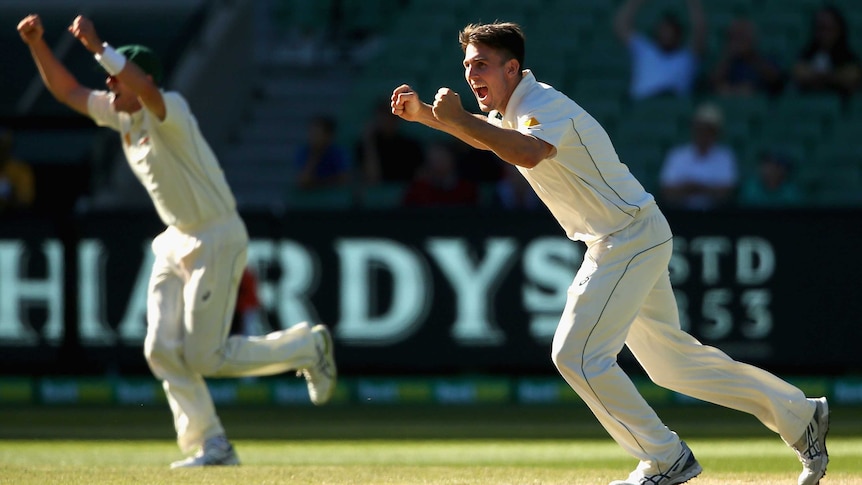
(625, 18)
(59, 81)
(130, 74)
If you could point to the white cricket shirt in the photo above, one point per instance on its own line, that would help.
(171, 159)
(584, 184)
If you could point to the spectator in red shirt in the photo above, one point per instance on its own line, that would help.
(438, 182)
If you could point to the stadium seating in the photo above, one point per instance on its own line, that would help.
(570, 45)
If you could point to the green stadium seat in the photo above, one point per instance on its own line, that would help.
(636, 133)
(301, 13)
(785, 28)
(605, 110)
(750, 109)
(778, 131)
(383, 196)
(818, 108)
(644, 162)
(321, 198)
(743, 117)
(669, 109)
(599, 61)
(837, 186)
(425, 6)
(846, 130)
(838, 154)
(599, 88)
(368, 16)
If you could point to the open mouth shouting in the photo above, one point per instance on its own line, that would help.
(481, 92)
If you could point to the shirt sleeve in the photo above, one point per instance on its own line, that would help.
(176, 111)
(670, 174)
(549, 122)
(638, 44)
(100, 110)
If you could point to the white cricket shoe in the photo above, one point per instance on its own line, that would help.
(811, 447)
(683, 469)
(216, 451)
(322, 375)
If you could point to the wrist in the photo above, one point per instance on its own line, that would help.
(112, 61)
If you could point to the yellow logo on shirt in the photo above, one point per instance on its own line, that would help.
(531, 122)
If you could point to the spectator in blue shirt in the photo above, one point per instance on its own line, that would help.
(320, 162)
(663, 64)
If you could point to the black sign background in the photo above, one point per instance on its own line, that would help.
(814, 295)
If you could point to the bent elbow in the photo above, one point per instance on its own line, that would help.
(528, 162)
(530, 159)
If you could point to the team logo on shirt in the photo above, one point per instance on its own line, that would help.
(143, 139)
(531, 122)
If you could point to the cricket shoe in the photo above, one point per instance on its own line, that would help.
(216, 451)
(683, 469)
(811, 447)
(322, 375)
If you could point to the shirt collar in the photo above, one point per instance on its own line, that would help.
(528, 80)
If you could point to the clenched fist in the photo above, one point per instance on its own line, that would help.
(30, 28)
(83, 30)
(405, 103)
(447, 107)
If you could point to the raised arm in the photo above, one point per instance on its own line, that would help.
(59, 81)
(698, 26)
(625, 18)
(129, 74)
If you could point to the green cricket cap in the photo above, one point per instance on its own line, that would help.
(144, 58)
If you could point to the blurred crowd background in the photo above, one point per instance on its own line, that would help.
(730, 103)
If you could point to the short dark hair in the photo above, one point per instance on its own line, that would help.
(671, 18)
(506, 37)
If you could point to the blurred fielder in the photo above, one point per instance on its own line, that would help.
(201, 255)
(622, 293)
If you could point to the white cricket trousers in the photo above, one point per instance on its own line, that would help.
(190, 304)
(622, 295)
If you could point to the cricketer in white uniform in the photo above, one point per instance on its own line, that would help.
(622, 293)
(201, 255)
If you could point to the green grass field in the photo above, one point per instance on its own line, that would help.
(397, 445)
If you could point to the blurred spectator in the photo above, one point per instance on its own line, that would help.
(663, 64)
(742, 68)
(384, 153)
(479, 166)
(700, 175)
(514, 192)
(249, 318)
(438, 182)
(772, 186)
(17, 188)
(827, 63)
(320, 162)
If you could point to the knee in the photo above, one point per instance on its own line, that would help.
(159, 355)
(206, 364)
(577, 366)
(566, 357)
